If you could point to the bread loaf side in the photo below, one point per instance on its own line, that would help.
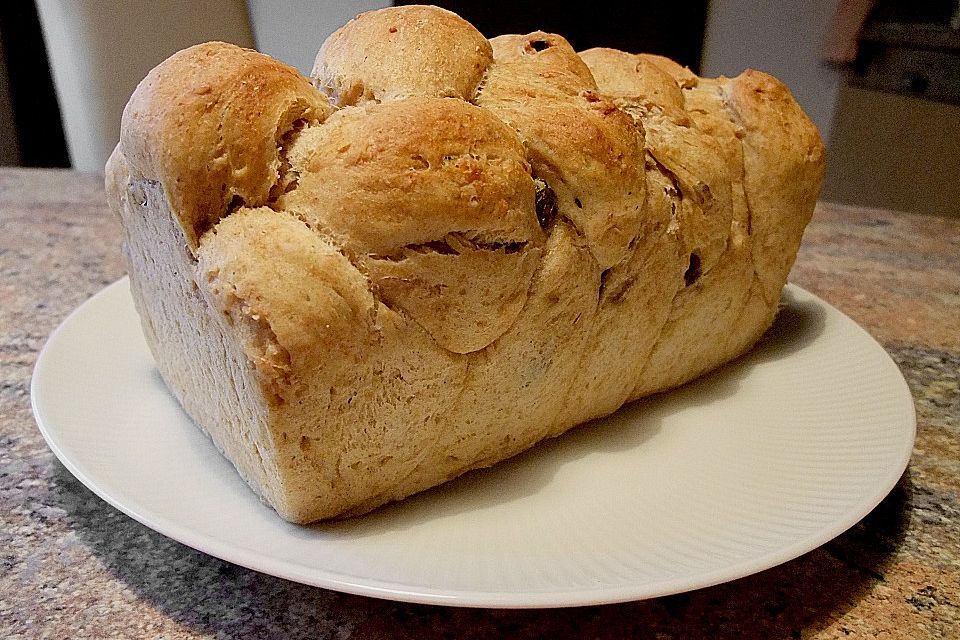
(445, 248)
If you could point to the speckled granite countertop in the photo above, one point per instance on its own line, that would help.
(75, 567)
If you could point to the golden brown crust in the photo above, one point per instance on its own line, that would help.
(732, 150)
(400, 52)
(540, 65)
(783, 168)
(587, 151)
(481, 245)
(384, 176)
(625, 75)
(206, 123)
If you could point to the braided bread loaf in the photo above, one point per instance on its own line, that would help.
(445, 249)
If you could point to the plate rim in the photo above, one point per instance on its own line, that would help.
(396, 591)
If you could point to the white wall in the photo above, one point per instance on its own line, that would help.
(781, 37)
(99, 50)
(293, 30)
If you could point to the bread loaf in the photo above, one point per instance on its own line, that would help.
(445, 248)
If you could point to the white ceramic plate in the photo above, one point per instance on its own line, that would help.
(752, 466)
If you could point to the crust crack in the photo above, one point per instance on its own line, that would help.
(452, 244)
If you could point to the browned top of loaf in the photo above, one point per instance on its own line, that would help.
(419, 139)
(207, 123)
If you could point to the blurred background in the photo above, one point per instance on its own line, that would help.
(881, 79)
